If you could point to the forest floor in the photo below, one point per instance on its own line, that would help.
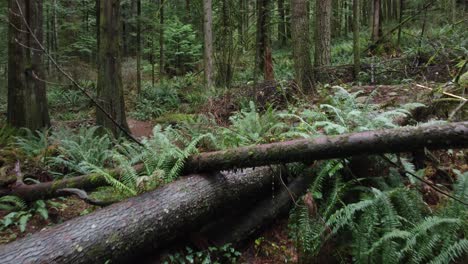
(272, 245)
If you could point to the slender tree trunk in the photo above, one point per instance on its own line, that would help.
(453, 14)
(161, 39)
(282, 34)
(376, 22)
(208, 42)
(98, 29)
(301, 45)
(110, 88)
(400, 21)
(356, 44)
(138, 53)
(264, 59)
(323, 13)
(27, 101)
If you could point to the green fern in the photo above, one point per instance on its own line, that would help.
(12, 203)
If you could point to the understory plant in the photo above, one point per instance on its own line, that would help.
(385, 225)
(162, 157)
(20, 212)
(223, 254)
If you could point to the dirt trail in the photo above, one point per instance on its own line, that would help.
(140, 128)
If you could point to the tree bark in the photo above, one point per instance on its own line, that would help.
(262, 214)
(356, 44)
(208, 42)
(403, 139)
(110, 87)
(124, 230)
(400, 21)
(264, 59)
(303, 70)
(161, 39)
(282, 34)
(138, 51)
(376, 22)
(453, 135)
(323, 14)
(27, 101)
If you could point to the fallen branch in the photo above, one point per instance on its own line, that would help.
(446, 93)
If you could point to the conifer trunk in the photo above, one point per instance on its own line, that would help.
(208, 43)
(110, 88)
(27, 101)
(323, 14)
(356, 42)
(301, 45)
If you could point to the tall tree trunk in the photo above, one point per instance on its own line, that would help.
(27, 101)
(161, 39)
(264, 59)
(400, 20)
(138, 51)
(110, 87)
(208, 42)
(356, 44)
(98, 29)
(282, 34)
(301, 45)
(376, 21)
(323, 13)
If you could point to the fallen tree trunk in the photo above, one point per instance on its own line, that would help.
(122, 230)
(264, 213)
(453, 135)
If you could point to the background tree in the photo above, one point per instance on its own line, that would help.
(27, 101)
(356, 44)
(264, 59)
(301, 44)
(376, 21)
(323, 12)
(208, 43)
(110, 88)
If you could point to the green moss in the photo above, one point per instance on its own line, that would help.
(174, 118)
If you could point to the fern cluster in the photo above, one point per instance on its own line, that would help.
(163, 157)
(389, 225)
(20, 212)
(251, 127)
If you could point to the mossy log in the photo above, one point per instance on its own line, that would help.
(406, 139)
(121, 231)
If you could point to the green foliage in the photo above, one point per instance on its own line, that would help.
(183, 50)
(12, 203)
(251, 127)
(6, 134)
(224, 254)
(20, 214)
(163, 157)
(393, 225)
(345, 114)
(58, 98)
(86, 146)
(153, 101)
(35, 145)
